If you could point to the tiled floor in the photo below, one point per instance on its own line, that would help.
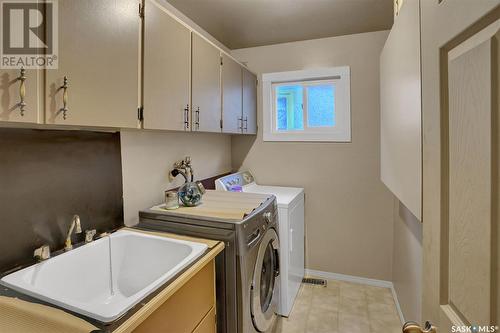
(342, 307)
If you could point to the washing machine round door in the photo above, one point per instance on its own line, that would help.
(264, 295)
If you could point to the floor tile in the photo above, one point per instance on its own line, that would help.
(341, 307)
(322, 321)
(353, 323)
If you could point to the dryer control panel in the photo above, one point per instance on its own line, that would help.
(234, 182)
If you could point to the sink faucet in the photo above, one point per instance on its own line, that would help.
(184, 168)
(42, 253)
(75, 222)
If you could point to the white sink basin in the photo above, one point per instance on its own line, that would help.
(105, 278)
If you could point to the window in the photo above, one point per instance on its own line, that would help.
(309, 105)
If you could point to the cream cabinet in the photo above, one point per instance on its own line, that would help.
(20, 95)
(239, 90)
(232, 98)
(167, 66)
(401, 109)
(131, 64)
(190, 309)
(97, 80)
(205, 86)
(249, 103)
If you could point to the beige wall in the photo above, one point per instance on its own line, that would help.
(147, 158)
(407, 262)
(195, 27)
(349, 220)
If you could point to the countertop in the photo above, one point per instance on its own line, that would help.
(23, 314)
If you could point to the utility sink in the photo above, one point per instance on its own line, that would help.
(107, 277)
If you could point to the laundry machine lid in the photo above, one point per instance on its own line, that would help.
(285, 196)
(220, 206)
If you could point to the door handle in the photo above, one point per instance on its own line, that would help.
(186, 117)
(197, 123)
(22, 91)
(240, 120)
(412, 327)
(253, 238)
(277, 264)
(64, 88)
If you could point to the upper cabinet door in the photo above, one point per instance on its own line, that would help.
(19, 95)
(400, 109)
(249, 103)
(206, 88)
(232, 96)
(97, 82)
(167, 66)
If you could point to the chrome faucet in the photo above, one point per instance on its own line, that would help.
(75, 222)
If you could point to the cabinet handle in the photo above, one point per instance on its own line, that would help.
(22, 91)
(64, 87)
(186, 117)
(246, 124)
(197, 123)
(240, 120)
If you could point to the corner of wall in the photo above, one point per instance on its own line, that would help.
(407, 262)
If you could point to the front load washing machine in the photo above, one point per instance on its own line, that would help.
(290, 202)
(247, 272)
(259, 274)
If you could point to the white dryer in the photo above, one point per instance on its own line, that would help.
(291, 230)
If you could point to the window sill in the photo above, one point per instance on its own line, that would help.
(308, 137)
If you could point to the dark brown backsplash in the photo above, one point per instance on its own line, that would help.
(209, 183)
(46, 177)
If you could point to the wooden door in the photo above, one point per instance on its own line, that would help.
(13, 92)
(460, 63)
(232, 121)
(205, 86)
(167, 68)
(249, 103)
(99, 56)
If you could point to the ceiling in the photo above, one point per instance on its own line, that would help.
(247, 23)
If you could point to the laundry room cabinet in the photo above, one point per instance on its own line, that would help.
(249, 102)
(401, 109)
(239, 89)
(232, 92)
(206, 91)
(97, 79)
(197, 295)
(167, 67)
(131, 64)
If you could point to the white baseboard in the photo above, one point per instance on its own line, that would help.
(349, 278)
(398, 307)
(360, 280)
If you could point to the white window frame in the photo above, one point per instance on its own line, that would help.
(340, 76)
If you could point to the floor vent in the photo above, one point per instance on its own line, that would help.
(319, 282)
